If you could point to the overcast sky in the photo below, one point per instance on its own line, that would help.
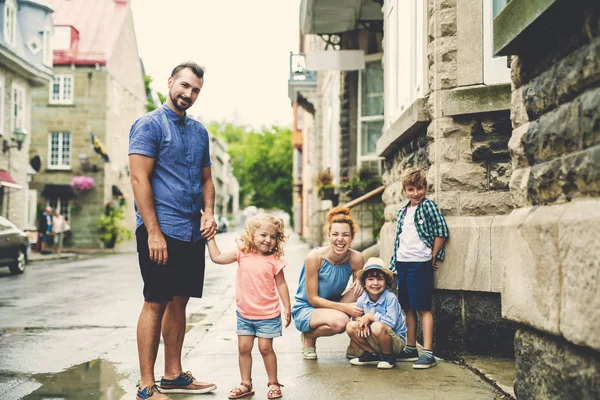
(244, 46)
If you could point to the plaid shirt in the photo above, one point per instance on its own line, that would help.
(429, 222)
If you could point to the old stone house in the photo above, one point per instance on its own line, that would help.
(511, 149)
(548, 244)
(25, 63)
(98, 89)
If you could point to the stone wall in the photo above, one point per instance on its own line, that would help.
(459, 133)
(549, 243)
(86, 114)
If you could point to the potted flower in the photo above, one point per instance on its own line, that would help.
(111, 227)
(326, 188)
(82, 184)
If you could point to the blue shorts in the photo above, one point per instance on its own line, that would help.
(262, 328)
(415, 285)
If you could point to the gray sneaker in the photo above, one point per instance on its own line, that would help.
(427, 360)
(408, 355)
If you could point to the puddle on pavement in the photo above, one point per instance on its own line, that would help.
(95, 379)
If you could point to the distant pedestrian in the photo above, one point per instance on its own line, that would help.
(59, 227)
(321, 307)
(45, 230)
(419, 244)
(259, 279)
(174, 201)
(381, 331)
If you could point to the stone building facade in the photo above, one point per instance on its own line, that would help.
(25, 63)
(548, 243)
(448, 112)
(98, 89)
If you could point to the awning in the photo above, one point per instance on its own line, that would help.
(8, 181)
(58, 191)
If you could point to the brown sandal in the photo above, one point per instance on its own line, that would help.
(274, 393)
(237, 393)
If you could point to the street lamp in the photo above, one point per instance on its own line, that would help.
(18, 137)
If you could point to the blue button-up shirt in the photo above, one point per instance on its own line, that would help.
(180, 148)
(386, 309)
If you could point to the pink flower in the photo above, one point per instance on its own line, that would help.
(82, 183)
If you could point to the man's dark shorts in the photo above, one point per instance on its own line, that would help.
(183, 275)
(415, 285)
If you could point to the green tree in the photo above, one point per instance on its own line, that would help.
(262, 163)
(150, 103)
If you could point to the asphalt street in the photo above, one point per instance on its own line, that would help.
(67, 331)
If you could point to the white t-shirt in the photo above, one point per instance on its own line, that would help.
(411, 247)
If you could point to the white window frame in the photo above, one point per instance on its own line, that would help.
(405, 56)
(10, 23)
(331, 124)
(18, 111)
(2, 101)
(47, 52)
(495, 69)
(371, 58)
(62, 163)
(62, 99)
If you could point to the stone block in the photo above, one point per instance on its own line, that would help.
(486, 332)
(466, 265)
(493, 147)
(559, 132)
(442, 23)
(580, 173)
(387, 239)
(590, 118)
(518, 112)
(462, 176)
(443, 49)
(516, 147)
(449, 338)
(519, 182)
(578, 71)
(449, 127)
(500, 174)
(464, 149)
(442, 75)
(525, 247)
(446, 150)
(578, 233)
(540, 94)
(544, 186)
(486, 203)
(448, 203)
(551, 368)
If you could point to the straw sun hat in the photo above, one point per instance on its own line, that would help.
(375, 263)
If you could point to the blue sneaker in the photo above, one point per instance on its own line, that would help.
(427, 360)
(408, 355)
(185, 383)
(147, 392)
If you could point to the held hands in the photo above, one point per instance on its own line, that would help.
(208, 225)
(157, 247)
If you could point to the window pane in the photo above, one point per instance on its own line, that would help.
(372, 89)
(370, 133)
(66, 149)
(54, 149)
(497, 6)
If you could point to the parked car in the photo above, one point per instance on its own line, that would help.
(14, 247)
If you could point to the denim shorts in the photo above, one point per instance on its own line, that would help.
(262, 328)
(415, 285)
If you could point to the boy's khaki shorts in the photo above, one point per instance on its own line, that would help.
(397, 343)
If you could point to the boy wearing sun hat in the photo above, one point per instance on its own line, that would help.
(381, 331)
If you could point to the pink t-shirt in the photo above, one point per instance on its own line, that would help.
(255, 289)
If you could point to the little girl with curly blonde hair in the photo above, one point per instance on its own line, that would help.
(259, 279)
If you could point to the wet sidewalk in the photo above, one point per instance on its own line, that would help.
(210, 352)
(68, 254)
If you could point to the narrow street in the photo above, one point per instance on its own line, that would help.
(67, 331)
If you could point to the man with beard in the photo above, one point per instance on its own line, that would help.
(174, 202)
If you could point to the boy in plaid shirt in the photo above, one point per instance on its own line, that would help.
(420, 236)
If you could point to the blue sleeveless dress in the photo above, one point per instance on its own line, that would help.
(333, 280)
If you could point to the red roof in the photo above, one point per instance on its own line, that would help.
(98, 23)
